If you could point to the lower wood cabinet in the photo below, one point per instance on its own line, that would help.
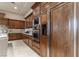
(36, 47)
(30, 41)
(15, 36)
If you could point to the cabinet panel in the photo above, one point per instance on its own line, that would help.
(29, 21)
(4, 21)
(43, 38)
(14, 36)
(2, 15)
(22, 24)
(62, 31)
(36, 11)
(77, 14)
(11, 24)
(16, 24)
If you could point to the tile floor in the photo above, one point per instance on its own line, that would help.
(19, 49)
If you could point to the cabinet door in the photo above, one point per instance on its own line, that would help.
(12, 37)
(11, 24)
(62, 42)
(43, 38)
(31, 21)
(17, 24)
(36, 11)
(4, 21)
(22, 24)
(27, 23)
(44, 18)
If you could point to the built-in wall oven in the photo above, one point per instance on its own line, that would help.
(36, 29)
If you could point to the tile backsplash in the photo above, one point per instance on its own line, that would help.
(16, 30)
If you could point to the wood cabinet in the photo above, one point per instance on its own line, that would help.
(14, 36)
(36, 9)
(25, 38)
(22, 24)
(4, 21)
(36, 47)
(30, 40)
(16, 24)
(62, 41)
(29, 21)
(43, 38)
(2, 15)
(44, 17)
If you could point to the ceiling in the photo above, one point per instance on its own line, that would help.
(22, 7)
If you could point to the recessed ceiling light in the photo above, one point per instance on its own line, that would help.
(15, 7)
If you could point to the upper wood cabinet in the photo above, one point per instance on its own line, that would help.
(36, 9)
(29, 21)
(4, 21)
(16, 24)
(2, 15)
(22, 24)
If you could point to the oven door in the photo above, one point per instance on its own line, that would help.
(36, 36)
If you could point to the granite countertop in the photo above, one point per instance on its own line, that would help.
(3, 36)
(28, 34)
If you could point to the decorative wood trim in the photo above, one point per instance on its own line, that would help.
(35, 5)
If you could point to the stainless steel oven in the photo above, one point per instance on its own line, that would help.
(36, 29)
(36, 36)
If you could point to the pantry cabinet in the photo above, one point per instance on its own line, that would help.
(62, 36)
(43, 38)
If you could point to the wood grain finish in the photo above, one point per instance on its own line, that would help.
(4, 21)
(29, 21)
(16, 24)
(43, 38)
(77, 14)
(2, 15)
(15, 36)
(61, 31)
